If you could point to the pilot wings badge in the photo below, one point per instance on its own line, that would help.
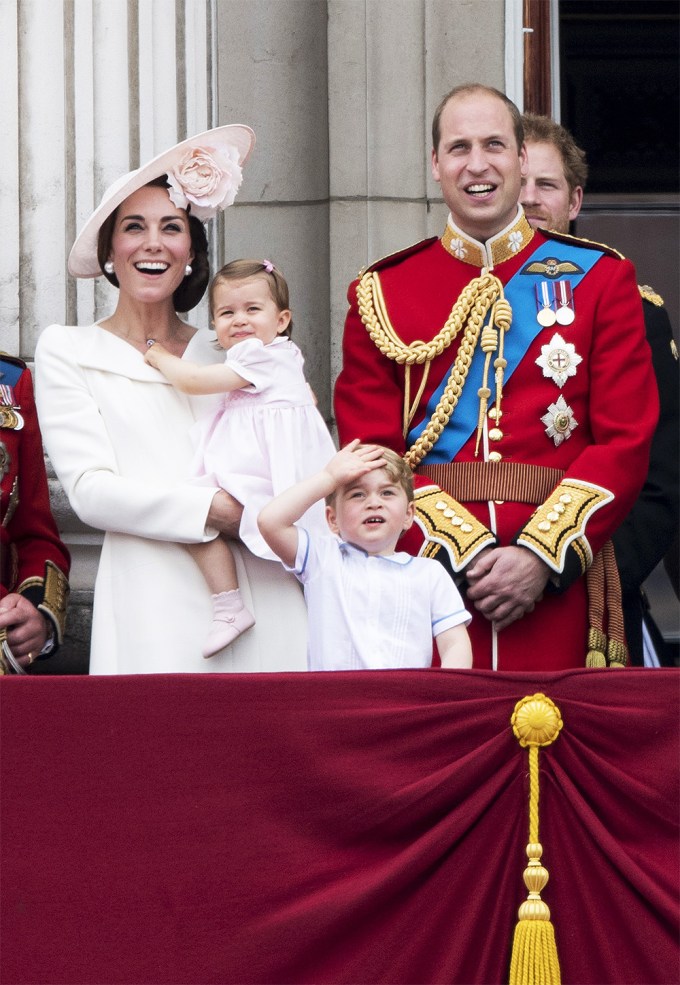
(551, 267)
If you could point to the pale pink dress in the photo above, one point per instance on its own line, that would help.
(264, 438)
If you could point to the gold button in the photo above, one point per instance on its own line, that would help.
(466, 528)
(544, 526)
(553, 516)
(495, 456)
(495, 414)
(495, 434)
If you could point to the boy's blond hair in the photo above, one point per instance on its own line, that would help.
(397, 471)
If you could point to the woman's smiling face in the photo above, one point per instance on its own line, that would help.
(150, 245)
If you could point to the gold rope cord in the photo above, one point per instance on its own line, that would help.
(536, 722)
(606, 640)
(469, 311)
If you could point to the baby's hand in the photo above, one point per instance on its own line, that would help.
(353, 461)
(154, 351)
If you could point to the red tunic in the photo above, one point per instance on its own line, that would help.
(35, 562)
(611, 397)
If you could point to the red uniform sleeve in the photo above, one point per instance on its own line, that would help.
(31, 536)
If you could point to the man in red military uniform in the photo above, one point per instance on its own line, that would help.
(494, 359)
(34, 563)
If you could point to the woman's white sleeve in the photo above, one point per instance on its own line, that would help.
(84, 458)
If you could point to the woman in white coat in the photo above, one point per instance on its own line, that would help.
(118, 434)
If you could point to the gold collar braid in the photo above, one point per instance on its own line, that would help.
(469, 313)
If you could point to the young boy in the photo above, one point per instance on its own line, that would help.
(369, 607)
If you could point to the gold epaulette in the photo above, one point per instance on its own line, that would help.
(399, 255)
(588, 244)
(648, 293)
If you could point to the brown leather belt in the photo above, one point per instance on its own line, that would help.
(483, 481)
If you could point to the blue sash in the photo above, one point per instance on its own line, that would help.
(10, 372)
(519, 291)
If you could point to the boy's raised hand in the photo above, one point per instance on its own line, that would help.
(353, 461)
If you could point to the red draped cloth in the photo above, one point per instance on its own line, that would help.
(341, 827)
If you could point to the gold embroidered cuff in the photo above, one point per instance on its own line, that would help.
(561, 523)
(56, 591)
(443, 520)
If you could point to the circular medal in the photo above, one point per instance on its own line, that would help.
(546, 317)
(565, 315)
(8, 418)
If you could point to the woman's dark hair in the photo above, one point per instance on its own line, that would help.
(192, 288)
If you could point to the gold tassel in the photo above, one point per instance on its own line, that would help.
(597, 648)
(606, 636)
(536, 722)
(489, 342)
(492, 340)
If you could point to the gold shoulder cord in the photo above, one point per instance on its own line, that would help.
(469, 311)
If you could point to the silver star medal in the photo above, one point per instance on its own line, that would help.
(558, 360)
(559, 421)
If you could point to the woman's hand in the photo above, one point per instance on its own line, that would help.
(225, 514)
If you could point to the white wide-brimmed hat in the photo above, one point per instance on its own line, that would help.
(203, 171)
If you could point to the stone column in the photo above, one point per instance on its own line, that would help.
(390, 63)
(273, 75)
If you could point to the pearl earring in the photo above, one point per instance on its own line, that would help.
(188, 270)
(108, 266)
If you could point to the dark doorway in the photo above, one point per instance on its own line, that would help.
(619, 91)
(620, 97)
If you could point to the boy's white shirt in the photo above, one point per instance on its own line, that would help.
(373, 611)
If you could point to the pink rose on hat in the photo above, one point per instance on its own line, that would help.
(206, 177)
(204, 170)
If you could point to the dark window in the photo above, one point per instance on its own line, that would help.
(619, 91)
